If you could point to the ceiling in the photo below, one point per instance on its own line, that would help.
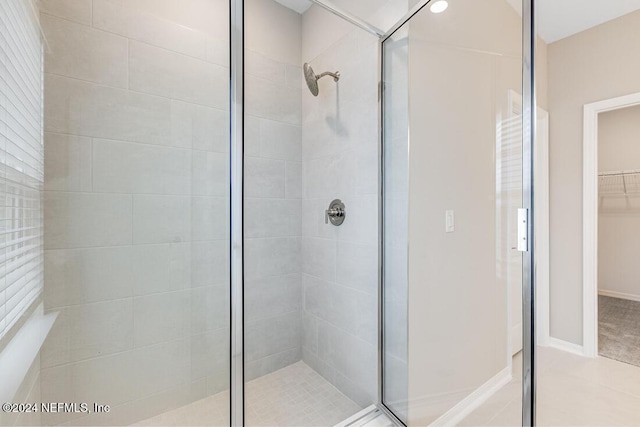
(299, 6)
(558, 19)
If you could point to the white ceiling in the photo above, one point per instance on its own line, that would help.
(558, 19)
(299, 6)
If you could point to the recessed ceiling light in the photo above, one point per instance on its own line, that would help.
(439, 6)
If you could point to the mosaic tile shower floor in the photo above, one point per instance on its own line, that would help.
(293, 396)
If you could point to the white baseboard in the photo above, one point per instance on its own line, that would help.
(621, 295)
(516, 338)
(569, 347)
(472, 402)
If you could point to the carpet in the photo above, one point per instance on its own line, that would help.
(619, 329)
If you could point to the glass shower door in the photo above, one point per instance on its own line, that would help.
(136, 202)
(452, 158)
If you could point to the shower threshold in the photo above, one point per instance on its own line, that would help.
(371, 416)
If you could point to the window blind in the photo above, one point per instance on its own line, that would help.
(21, 161)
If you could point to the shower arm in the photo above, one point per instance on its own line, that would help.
(336, 75)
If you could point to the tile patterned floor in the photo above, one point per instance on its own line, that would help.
(572, 391)
(293, 396)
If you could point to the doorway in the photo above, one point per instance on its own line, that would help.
(608, 197)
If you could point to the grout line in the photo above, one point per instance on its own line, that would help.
(149, 94)
(129, 65)
(271, 119)
(63, 18)
(148, 144)
(91, 168)
(133, 349)
(273, 317)
(205, 38)
(100, 193)
(133, 218)
(219, 286)
(137, 245)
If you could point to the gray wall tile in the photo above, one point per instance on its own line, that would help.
(80, 108)
(67, 162)
(273, 101)
(137, 250)
(275, 256)
(100, 58)
(84, 220)
(319, 257)
(266, 337)
(269, 296)
(90, 330)
(165, 73)
(272, 218)
(161, 317)
(149, 28)
(264, 177)
(124, 167)
(73, 10)
(161, 219)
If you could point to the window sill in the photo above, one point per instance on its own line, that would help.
(19, 354)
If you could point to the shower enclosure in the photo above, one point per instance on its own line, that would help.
(453, 211)
(272, 212)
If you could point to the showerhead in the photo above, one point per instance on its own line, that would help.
(312, 79)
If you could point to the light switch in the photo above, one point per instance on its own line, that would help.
(450, 222)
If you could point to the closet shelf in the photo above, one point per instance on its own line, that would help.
(619, 183)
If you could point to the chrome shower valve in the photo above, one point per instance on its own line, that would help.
(335, 213)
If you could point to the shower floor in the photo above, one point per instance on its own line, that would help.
(293, 396)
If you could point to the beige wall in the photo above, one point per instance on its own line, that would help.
(542, 74)
(619, 216)
(590, 66)
(619, 140)
(464, 66)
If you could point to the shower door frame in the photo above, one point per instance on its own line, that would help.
(528, 264)
(236, 248)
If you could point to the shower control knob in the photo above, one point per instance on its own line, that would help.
(335, 213)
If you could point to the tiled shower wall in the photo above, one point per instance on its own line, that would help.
(273, 188)
(340, 161)
(136, 204)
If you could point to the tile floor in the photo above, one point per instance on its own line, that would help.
(572, 391)
(293, 396)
